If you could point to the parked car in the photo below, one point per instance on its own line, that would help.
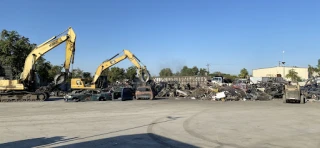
(88, 95)
(144, 92)
(123, 93)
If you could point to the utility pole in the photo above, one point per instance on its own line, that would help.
(283, 62)
(208, 66)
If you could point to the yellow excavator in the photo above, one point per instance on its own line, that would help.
(27, 87)
(144, 75)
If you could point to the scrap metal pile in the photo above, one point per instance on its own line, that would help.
(311, 89)
(238, 91)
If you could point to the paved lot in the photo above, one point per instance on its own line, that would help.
(160, 123)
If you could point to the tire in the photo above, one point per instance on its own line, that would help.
(102, 99)
(302, 99)
(41, 97)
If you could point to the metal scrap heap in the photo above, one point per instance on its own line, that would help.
(235, 92)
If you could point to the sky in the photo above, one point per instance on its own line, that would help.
(227, 34)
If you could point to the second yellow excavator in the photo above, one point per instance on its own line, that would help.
(79, 84)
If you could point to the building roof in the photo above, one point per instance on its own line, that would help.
(281, 66)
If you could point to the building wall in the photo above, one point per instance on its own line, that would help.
(273, 71)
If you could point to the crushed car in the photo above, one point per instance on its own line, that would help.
(145, 92)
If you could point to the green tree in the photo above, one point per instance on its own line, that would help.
(224, 75)
(43, 67)
(243, 73)
(14, 49)
(55, 69)
(86, 75)
(105, 72)
(217, 73)
(77, 73)
(116, 74)
(203, 72)
(186, 71)
(195, 70)
(311, 70)
(131, 72)
(165, 72)
(293, 75)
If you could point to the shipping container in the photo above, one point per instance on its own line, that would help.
(192, 80)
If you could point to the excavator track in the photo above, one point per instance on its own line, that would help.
(23, 96)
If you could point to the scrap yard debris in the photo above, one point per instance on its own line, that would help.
(203, 88)
(239, 90)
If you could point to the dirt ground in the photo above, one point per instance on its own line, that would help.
(160, 123)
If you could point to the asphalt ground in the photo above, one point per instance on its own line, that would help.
(160, 123)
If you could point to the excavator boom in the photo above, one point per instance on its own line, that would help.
(127, 54)
(77, 83)
(40, 50)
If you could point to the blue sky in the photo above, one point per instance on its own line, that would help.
(228, 34)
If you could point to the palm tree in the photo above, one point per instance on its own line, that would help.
(293, 75)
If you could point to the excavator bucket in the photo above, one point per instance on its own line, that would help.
(144, 75)
(60, 78)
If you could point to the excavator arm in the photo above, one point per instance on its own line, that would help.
(127, 54)
(69, 38)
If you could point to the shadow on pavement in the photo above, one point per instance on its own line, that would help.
(137, 140)
(31, 142)
(130, 141)
(55, 98)
(162, 98)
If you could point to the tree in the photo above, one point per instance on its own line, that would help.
(203, 72)
(224, 75)
(131, 72)
(293, 75)
(185, 71)
(116, 74)
(43, 67)
(316, 69)
(105, 72)
(165, 72)
(86, 75)
(311, 70)
(55, 69)
(243, 73)
(195, 70)
(77, 73)
(14, 49)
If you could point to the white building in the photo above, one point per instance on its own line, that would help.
(280, 71)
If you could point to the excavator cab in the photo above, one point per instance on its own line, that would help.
(83, 83)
